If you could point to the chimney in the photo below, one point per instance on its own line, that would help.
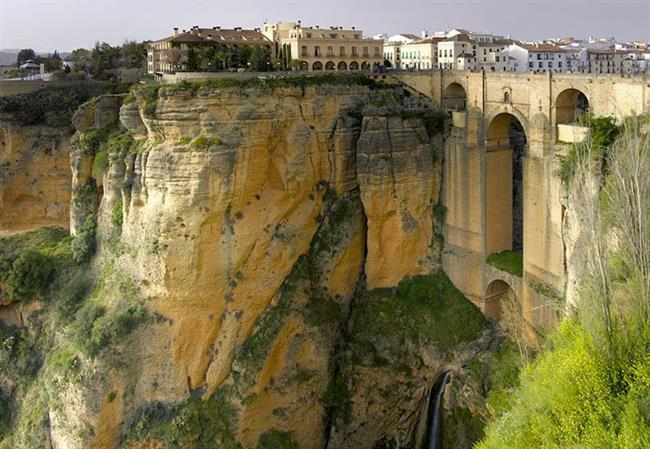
(424, 34)
(175, 31)
(354, 28)
(317, 27)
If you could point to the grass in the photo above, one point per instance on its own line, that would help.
(204, 143)
(509, 261)
(192, 423)
(422, 310)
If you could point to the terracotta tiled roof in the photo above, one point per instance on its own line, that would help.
(218, 35)
(545, 48)
(428, 40)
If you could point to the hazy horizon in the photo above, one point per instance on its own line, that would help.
(63, 25)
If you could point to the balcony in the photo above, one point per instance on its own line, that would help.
(570, 133)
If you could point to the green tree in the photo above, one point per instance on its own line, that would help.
(133, 55)
(30, 275)
(24, 55)
(260, 59)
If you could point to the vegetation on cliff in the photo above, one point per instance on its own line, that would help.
(84, 314)
(509, 261)
(591, 385)
(52, 106)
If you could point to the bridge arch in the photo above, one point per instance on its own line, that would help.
(569, 105)
(497, 296)
(504, 152)
(455, 97)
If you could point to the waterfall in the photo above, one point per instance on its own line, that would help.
(435, 406)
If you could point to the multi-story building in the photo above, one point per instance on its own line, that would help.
(449, 50)
(491, 55)
(636, 62)
(420, 55)
(605, 61)
(316, 49)
(182, 51)
(536, 58)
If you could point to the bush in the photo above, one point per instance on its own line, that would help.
(116, 214)
(202, 143)
(423, 310)
(51, 106)
(100, 164)
(30, 276)
(84, 244)
(275, 439)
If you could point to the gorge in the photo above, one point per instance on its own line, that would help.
(287, 263)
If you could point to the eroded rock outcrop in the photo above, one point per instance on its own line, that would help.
(251, 224)
(34, 177)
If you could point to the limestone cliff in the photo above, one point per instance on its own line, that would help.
(243, 235)
(34, 177)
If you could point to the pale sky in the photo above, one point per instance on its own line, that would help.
(47, 25)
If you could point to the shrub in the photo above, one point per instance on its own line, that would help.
(424, 309)
(51, 106)
(100, 164)
(275, 439)
(202, 143)
(30, 276)
(116, 214)
(84, 245)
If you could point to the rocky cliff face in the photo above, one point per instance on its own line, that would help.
(242, 234)
(34, 177)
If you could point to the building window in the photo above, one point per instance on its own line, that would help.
(377, 51)
(330, 51)
(354, 51)
(341, 51)
(365, 51)
(317, 51)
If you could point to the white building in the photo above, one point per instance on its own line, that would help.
(450, 49)
(420, 55)
(536, 58)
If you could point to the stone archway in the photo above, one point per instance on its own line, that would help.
(570, 105)
(496, 295)
(365, 65)
(330, 65)
(505, 149)
(455, 97)
(317, 66)
(342, 66)
(354, 65)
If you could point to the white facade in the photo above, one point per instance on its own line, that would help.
(536, 58)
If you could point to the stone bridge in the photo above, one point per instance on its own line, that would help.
(501, 187)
